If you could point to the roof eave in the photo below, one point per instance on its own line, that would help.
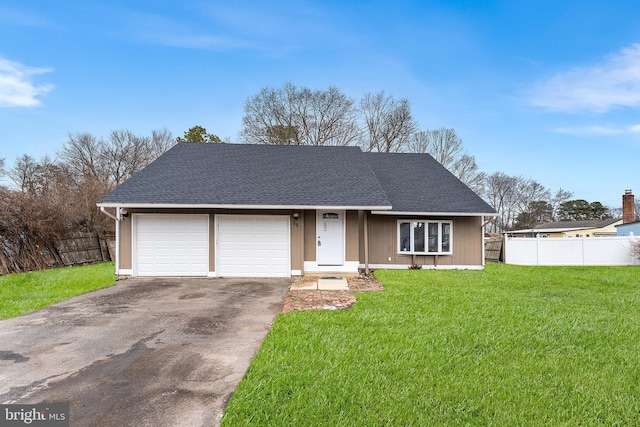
(550, 230)
(390, 212)
(233, 206)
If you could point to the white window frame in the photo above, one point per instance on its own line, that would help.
(411, 242)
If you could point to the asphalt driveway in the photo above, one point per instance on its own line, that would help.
(146, 352)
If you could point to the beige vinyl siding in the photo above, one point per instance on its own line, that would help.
(383, 242)
(352, 235)
(310, 235)
(126, 262)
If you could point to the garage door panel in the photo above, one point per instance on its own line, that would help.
(172, 245)
(253, 246)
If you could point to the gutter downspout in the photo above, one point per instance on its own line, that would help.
(109, 214)
(366, 243)
(483, 242)
(117, 218)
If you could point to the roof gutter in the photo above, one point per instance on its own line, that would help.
(232, 206)
(390, 212)
(109, 214)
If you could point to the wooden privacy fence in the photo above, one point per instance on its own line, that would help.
(616, 250)
(493, 249)
(83, 248)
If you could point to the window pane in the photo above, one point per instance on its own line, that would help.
(405, 237)
(446, 237)
(418, 236)
(433, 237)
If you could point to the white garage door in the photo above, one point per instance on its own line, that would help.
(171, 245)
(252, 246)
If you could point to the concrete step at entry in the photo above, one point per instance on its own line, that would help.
(323, 283)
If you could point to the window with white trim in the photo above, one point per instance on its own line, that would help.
(423, 237)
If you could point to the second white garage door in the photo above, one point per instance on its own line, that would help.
(252, 246)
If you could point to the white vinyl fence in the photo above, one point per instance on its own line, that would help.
(570, 251)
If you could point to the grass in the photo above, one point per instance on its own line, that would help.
(507, 346)
(26, 292)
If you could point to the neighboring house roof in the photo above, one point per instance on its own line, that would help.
(273, 176)
(563, 226)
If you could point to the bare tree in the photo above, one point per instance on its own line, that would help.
(466, 170)
(98, 165)
(121, 155)
(124, 153)
(447, 148)
(503, 193)
(113, 160)
(388, 123)
(82, 155)
(558, 199)
(282, 135)
(161, 141)
(300, 116)
(442, 144)
(23, 173)
(532, 191)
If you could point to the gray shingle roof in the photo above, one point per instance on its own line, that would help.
(418, 183)
(589, 223)
(235, 174)
(268, 175)
(560, 226)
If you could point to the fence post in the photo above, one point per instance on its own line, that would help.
(504, 248)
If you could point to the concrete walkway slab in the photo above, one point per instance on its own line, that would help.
(332, 284)
(304, 285)
(322, 283)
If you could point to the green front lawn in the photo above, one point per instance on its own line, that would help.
(25, 292)
(507, 346)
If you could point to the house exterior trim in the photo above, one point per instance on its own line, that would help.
(424, 267)
(389, 212)
(214, 206)
(348, 267)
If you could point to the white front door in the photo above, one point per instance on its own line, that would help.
(330, 242)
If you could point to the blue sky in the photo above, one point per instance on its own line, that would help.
(549, 90)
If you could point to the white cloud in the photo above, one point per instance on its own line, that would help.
(599, 88)
(600, 130)
(16, 86)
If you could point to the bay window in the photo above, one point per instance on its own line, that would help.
(424, 237)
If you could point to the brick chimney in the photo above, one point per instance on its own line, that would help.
(628, 207)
